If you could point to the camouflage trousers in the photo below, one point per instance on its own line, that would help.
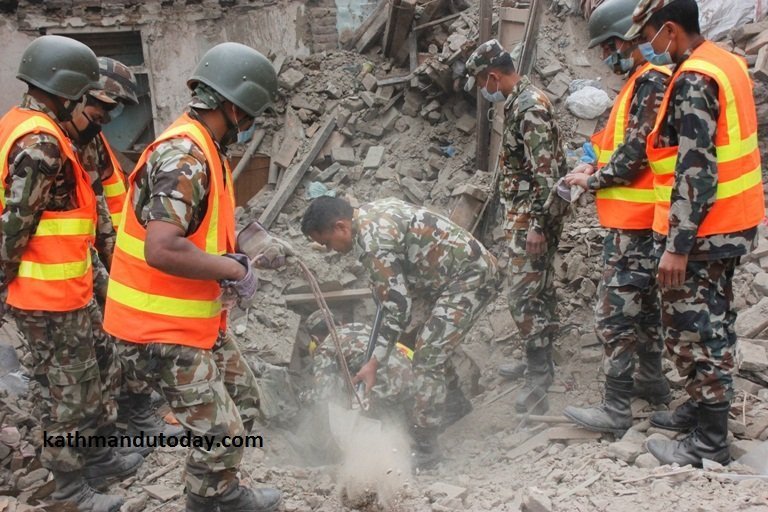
(100, 280)
(391, 395)
(531, 290)
(75, 376)
(453, 315)
(211, 393)
(627, 316)
(698, 325)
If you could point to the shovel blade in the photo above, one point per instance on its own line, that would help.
(344, 423)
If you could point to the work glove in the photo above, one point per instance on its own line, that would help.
(273, 255)
(243, 290)
(265, 250)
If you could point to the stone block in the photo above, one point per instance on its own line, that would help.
(752, 357)
(757, 42)
(371, 129)
(374, 158)
(625, 450)
(345, 156)
(466, 124)
(290, 79)
(302, 102)
(752, 321)
(330, 172)
(369, 82)
(550, 70)
(534, 500)
(761, 64)
(449, 491)
(368, 98)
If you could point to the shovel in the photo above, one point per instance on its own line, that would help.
(345, 422)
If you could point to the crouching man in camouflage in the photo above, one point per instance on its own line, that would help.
(408, 251)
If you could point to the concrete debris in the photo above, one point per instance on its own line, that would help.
(374, 158)
(290, 79)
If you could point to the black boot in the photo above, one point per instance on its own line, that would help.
(682, 419)
(73, 491)
(650, 383)
(615, 413)
(539, 376)
(512, 371)
(456, 407)
(708, 441)
(104, 467)
(236, 499)
(136, 411)
(425, 450)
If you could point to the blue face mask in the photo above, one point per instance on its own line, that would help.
(247, 135)
(496, 97)
(657, 59)
(619, 64)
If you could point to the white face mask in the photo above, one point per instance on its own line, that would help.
(496, 97)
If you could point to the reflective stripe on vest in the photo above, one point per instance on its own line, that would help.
(403, 349)
(114, 187)
(624, 207)
(739, 197)
(55, 270)
(146, 305)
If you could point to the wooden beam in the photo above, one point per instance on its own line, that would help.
(252, 147)
(375, 30)
(294, 175)
(297, 299)
(483, 125)
(398, 49)
(394, 80)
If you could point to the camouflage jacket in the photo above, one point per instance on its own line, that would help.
(691, 123)
(532, 157)
(38, 180)
(629, 159)
(408, 250)
(173, 185)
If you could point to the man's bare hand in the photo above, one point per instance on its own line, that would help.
(672, 270)
(579, 179)
(367, 374)
(535, 243)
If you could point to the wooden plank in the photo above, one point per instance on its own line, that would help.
(287, 152)
(571, 433)
(539, 440)
(294, 175)
(381, 8)
(436, 22)
(391, 25)
(393, 80)
(374, 32)
(430, 9)
(296, 299)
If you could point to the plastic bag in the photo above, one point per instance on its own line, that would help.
(588, 103)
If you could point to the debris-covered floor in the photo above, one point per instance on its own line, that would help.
(418, 143)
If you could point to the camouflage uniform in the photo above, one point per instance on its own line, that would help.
(211, 392)
(409, 251)
(531, 161)
(698, 320)
(627, 310)
(394, 388)
(73, 361)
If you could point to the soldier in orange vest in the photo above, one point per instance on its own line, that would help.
(176, 256)
(627, 315)
(49, 224)
(705, 159)
(119, 90)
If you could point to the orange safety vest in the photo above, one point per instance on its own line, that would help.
(114, 187)
(55, 268)
(739, 200)
(146, 305)
(621, 207)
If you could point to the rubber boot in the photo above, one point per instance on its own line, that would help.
(539, 376)
(650, 383)
(73, 491)
(104, 467)
(425, 450)
(709, 440)
(236, 499)
(456, 407)
(614, 415)
(682, 419)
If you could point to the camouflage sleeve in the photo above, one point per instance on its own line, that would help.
(34, 164)
(178, 182)
(629, 159)
(385, 267)
(539, 138)
(696, 110)
(105, 231)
